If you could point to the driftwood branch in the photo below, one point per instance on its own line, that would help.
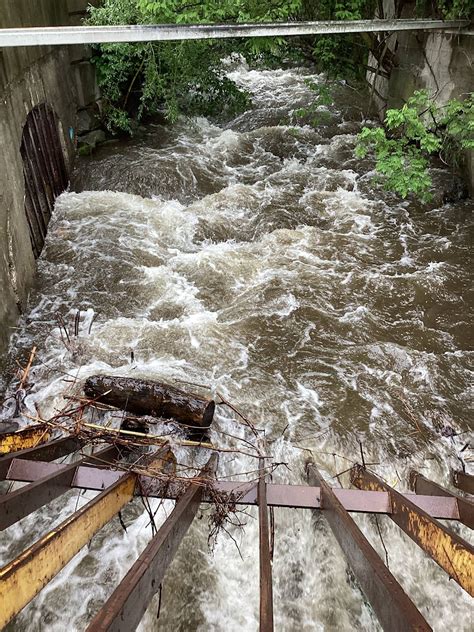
(145, 397)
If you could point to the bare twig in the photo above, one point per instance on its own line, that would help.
(247, 422)
(26, 371)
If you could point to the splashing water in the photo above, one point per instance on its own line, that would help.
(256, 257)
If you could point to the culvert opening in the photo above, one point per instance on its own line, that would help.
(44, 170)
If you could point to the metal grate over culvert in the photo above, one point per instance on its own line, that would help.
(418, 514)
(44, 170)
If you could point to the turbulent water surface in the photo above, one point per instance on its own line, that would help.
(256, 257)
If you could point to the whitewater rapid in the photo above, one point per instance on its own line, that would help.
(257, 257)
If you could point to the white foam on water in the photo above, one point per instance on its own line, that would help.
(259, 266)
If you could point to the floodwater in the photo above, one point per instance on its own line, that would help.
(257, 257)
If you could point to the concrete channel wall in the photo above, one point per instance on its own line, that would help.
(63, 78)
(442, 63)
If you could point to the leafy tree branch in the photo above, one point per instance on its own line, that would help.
(414, 132)
(177, 77)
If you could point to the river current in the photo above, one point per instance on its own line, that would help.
(258, 257)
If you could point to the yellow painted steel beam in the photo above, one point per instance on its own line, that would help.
(23, 439)
(452, 553)
(23, 578)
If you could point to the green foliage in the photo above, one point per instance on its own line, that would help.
(448, 9)
(457, 9)
(346, 56)
(341, 56)
(411, 134)
(137, 80)
(458, 121)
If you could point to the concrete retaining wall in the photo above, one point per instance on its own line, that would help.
(441, 63)
(61, 77)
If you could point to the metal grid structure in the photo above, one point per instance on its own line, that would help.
(417, 514)
(44, 168)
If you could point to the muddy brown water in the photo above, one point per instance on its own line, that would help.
(258, 257)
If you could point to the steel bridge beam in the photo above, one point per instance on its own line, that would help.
(127, 604)
(265, 561)
(243, 493)
(464, 481)
(61, 35)
(24, 577)
(29, 437)
(46, 452)
(422, 485)
(394, 609)
(452, 553)
(22, 502)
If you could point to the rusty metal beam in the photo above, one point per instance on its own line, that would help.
(451, 552)
(23, 578)
(93, 478)
(45, 452)
(463, 481)
(394, 609)
(422, 485)
(266, 583)
(29, 437)
(358, 501)
(243, 493)
(127, 604)
(22, 502)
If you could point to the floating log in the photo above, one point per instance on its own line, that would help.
(145, 397)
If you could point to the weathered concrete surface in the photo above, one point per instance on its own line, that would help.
(29, 76)
(444, 65)
(441, 63)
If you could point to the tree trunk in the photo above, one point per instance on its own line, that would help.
(144, 397)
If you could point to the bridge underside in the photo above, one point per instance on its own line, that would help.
(170, 32)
